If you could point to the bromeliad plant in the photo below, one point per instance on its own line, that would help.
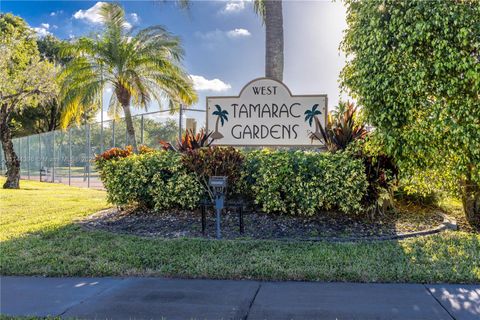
(190, 141)
(341, 128)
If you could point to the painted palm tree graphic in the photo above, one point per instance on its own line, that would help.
(310, 116)
(221, 117)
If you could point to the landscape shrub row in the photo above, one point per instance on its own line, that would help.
(281, 182)
(153, 180)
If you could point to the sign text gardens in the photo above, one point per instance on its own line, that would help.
(266, 114)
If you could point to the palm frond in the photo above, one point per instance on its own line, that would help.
(114, 107)
(113, 16)
(141, 67)
(259, 7)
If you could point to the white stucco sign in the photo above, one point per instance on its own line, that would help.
(266, 114)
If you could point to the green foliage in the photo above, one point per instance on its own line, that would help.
(153, 180)
(381, 172)
(342, 128)
(142, 67)
(50, 49)
(303, 183)
(172, 186)
(45, 116)
(297, 183)
(189, 141)
(414, 67)
(50, 243)
(26, 79)
(215, 161)
(17, 35)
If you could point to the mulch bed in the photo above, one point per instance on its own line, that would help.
(260, 225)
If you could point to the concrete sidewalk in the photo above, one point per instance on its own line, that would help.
(157, 298)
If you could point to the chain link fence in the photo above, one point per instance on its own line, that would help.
(66, 156)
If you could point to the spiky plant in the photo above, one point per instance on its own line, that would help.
(140, 67)
(341, 128)
(189, 141)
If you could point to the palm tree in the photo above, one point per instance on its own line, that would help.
(140, 67)
(271, 13)
(310, 116)
(221, 117)
(272, 17)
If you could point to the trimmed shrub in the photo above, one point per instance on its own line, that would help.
(153, 180)
(215, 161)
(172, 185)
(298, 183)
(303, 183)
(113, 153)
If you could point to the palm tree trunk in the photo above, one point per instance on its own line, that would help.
(274, 39)
(11, 158)
(123, 97)
(130, 129)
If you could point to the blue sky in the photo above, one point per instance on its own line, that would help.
(223, 40)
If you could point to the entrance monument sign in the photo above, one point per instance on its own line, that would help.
(267, 114)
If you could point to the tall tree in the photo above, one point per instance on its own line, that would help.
(44, 116)
(415, 68)
(140, 67)
(271, 12)
(25, 79)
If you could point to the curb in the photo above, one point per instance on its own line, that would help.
(448, 223)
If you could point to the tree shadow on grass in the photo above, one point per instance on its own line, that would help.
(71, 251)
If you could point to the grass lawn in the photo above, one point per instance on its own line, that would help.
(38, 236)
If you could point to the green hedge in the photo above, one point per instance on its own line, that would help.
(154, 180)
(303, 183)
(297, 183)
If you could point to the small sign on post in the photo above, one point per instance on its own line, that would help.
(219, 186)
(267, 114)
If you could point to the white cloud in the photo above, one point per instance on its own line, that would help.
(217, 34)
(210, 35)
(91, 15)
(238, 33)
(127, 25)
(202, 84)
(56, 13)
(42, 31)
(233, 6)
(134, 17)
